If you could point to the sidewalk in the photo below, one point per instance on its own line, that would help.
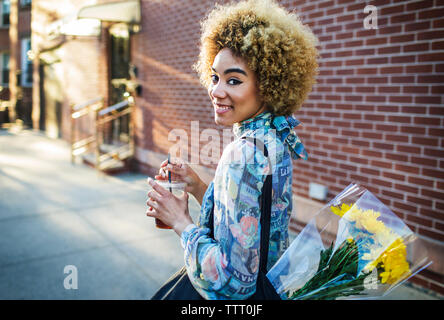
(55, 214)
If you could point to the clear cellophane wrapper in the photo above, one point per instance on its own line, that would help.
(355, 247)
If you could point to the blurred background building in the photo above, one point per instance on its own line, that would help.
(16, 67)
(375, 116)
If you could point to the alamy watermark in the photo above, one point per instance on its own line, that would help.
(371, 21)
(210, 146)
(71, 280)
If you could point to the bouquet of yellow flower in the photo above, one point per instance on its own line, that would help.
(355, 247)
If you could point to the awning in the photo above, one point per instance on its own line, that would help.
(87, 21)
(71, 26)
(121, 11)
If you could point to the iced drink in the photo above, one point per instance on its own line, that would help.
(177, 188)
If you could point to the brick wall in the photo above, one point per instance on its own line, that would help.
(375, 116)
(79, 72)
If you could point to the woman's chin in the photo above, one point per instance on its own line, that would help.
(222, 121)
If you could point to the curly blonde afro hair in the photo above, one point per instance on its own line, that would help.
(274, 43)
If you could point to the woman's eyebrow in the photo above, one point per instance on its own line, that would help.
(230, 70)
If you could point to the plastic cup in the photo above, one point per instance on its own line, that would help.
(177, 188)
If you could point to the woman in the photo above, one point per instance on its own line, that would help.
(259, 63)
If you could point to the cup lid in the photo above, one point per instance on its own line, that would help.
(173, 185)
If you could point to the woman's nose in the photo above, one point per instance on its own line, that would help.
(218, 91)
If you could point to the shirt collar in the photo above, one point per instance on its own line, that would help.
(260, 121)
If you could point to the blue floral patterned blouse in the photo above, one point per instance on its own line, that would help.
(226, 266)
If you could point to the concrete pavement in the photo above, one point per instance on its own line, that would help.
(55, 214)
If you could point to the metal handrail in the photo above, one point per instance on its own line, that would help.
(77, 111)
(102, 115)
(114, 107)
(108, 114)
(84, 108)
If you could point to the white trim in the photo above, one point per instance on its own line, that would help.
(2, 82)
(25, 63)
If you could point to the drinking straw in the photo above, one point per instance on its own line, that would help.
(169, 172)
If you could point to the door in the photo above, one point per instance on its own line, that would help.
(120, 63)
(51, 100)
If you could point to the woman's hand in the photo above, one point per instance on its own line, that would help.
(165, 206)
(180, 171)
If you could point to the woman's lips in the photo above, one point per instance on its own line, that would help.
(221, 108)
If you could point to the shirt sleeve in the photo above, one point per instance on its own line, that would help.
(227, 268)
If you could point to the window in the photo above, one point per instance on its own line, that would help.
(4, 65)
(26, 67)
(5, 9)
(25, 3)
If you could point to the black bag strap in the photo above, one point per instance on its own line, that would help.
(265, 211)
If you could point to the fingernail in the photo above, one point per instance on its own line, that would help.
(150, 181)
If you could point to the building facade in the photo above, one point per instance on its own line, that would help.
(15, 63)
(375, 116)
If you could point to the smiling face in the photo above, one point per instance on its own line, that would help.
(233, 89)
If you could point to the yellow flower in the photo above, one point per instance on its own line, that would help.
(393, 261)
(340, 211)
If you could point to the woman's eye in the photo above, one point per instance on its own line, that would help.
(214, 79)
(234, 82)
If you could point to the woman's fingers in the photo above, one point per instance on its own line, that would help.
(159, 189)
(152, 204)
(151, 212)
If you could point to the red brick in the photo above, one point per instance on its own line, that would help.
(381, 164)
(420, 201)
(416, 47)
(439, 68)
(408, 149)
(406, 188)
(396, 138)
(402, 18)
(430, 57)
(434, 194)
(439, 132)
(397, 69)
(431, 234)
(393, 176)
(428, 99)
(430, 213)
(419, 68)
(389, 50)
(424, 161)
(403, 59)
(433, 142)
(438, 45)
(439, 174)
(438, 23)
(431, 79)
(418, 5)
(400, 119)
(403, 79)
(439, 111)
(434, 13)
(376, 41)
(386, 127)
(419, 220)
(427, 121)
(392, 9)
(424, 25)
(400, 99)
(413, 129)
(402, 38)
(396, 157)
(415, 89)
(404, 206)
(420, 181)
